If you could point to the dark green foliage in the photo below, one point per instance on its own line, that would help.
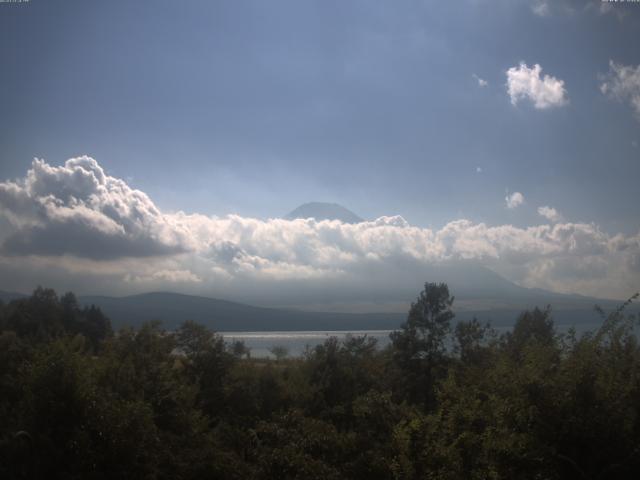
(419, 347)
(470, 340)
(43, 316)
(206, 363)
(77, 401)
(423, 335)
(532, 328)
(339, 373)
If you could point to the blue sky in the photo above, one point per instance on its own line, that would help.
(253, 108)
(256, 107)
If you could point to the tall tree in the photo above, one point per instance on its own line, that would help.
(419, 347)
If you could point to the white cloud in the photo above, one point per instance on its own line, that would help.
(550, 214)
(481, 81)
(541, 8)
(77, 208)
(514, 200)
(81, 210)
(526, 83)
(622, 83)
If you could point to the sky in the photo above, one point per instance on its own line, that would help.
(171, 136)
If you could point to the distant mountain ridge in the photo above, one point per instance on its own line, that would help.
(324, 211)
(221, 315)
(6, 297)
(479, 292)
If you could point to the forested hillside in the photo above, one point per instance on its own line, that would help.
(443, 401)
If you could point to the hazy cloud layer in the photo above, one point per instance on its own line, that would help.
(75, 221)
(524, 83)
(623, 84)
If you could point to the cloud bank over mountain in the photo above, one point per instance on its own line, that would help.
(76, 226)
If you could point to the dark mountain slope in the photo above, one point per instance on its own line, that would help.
(221, 315)
(324, 211)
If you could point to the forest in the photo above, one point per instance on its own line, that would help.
(445, 400)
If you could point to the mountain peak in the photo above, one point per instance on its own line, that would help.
(324, 211)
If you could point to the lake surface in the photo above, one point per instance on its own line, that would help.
(296, 342)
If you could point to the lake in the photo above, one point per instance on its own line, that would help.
(297, 341)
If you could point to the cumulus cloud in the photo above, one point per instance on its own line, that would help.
(622, 83)
(60, 218)
(78, 209)
(514, 200)
(527, 83)
(481, 81)
(550, 214)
